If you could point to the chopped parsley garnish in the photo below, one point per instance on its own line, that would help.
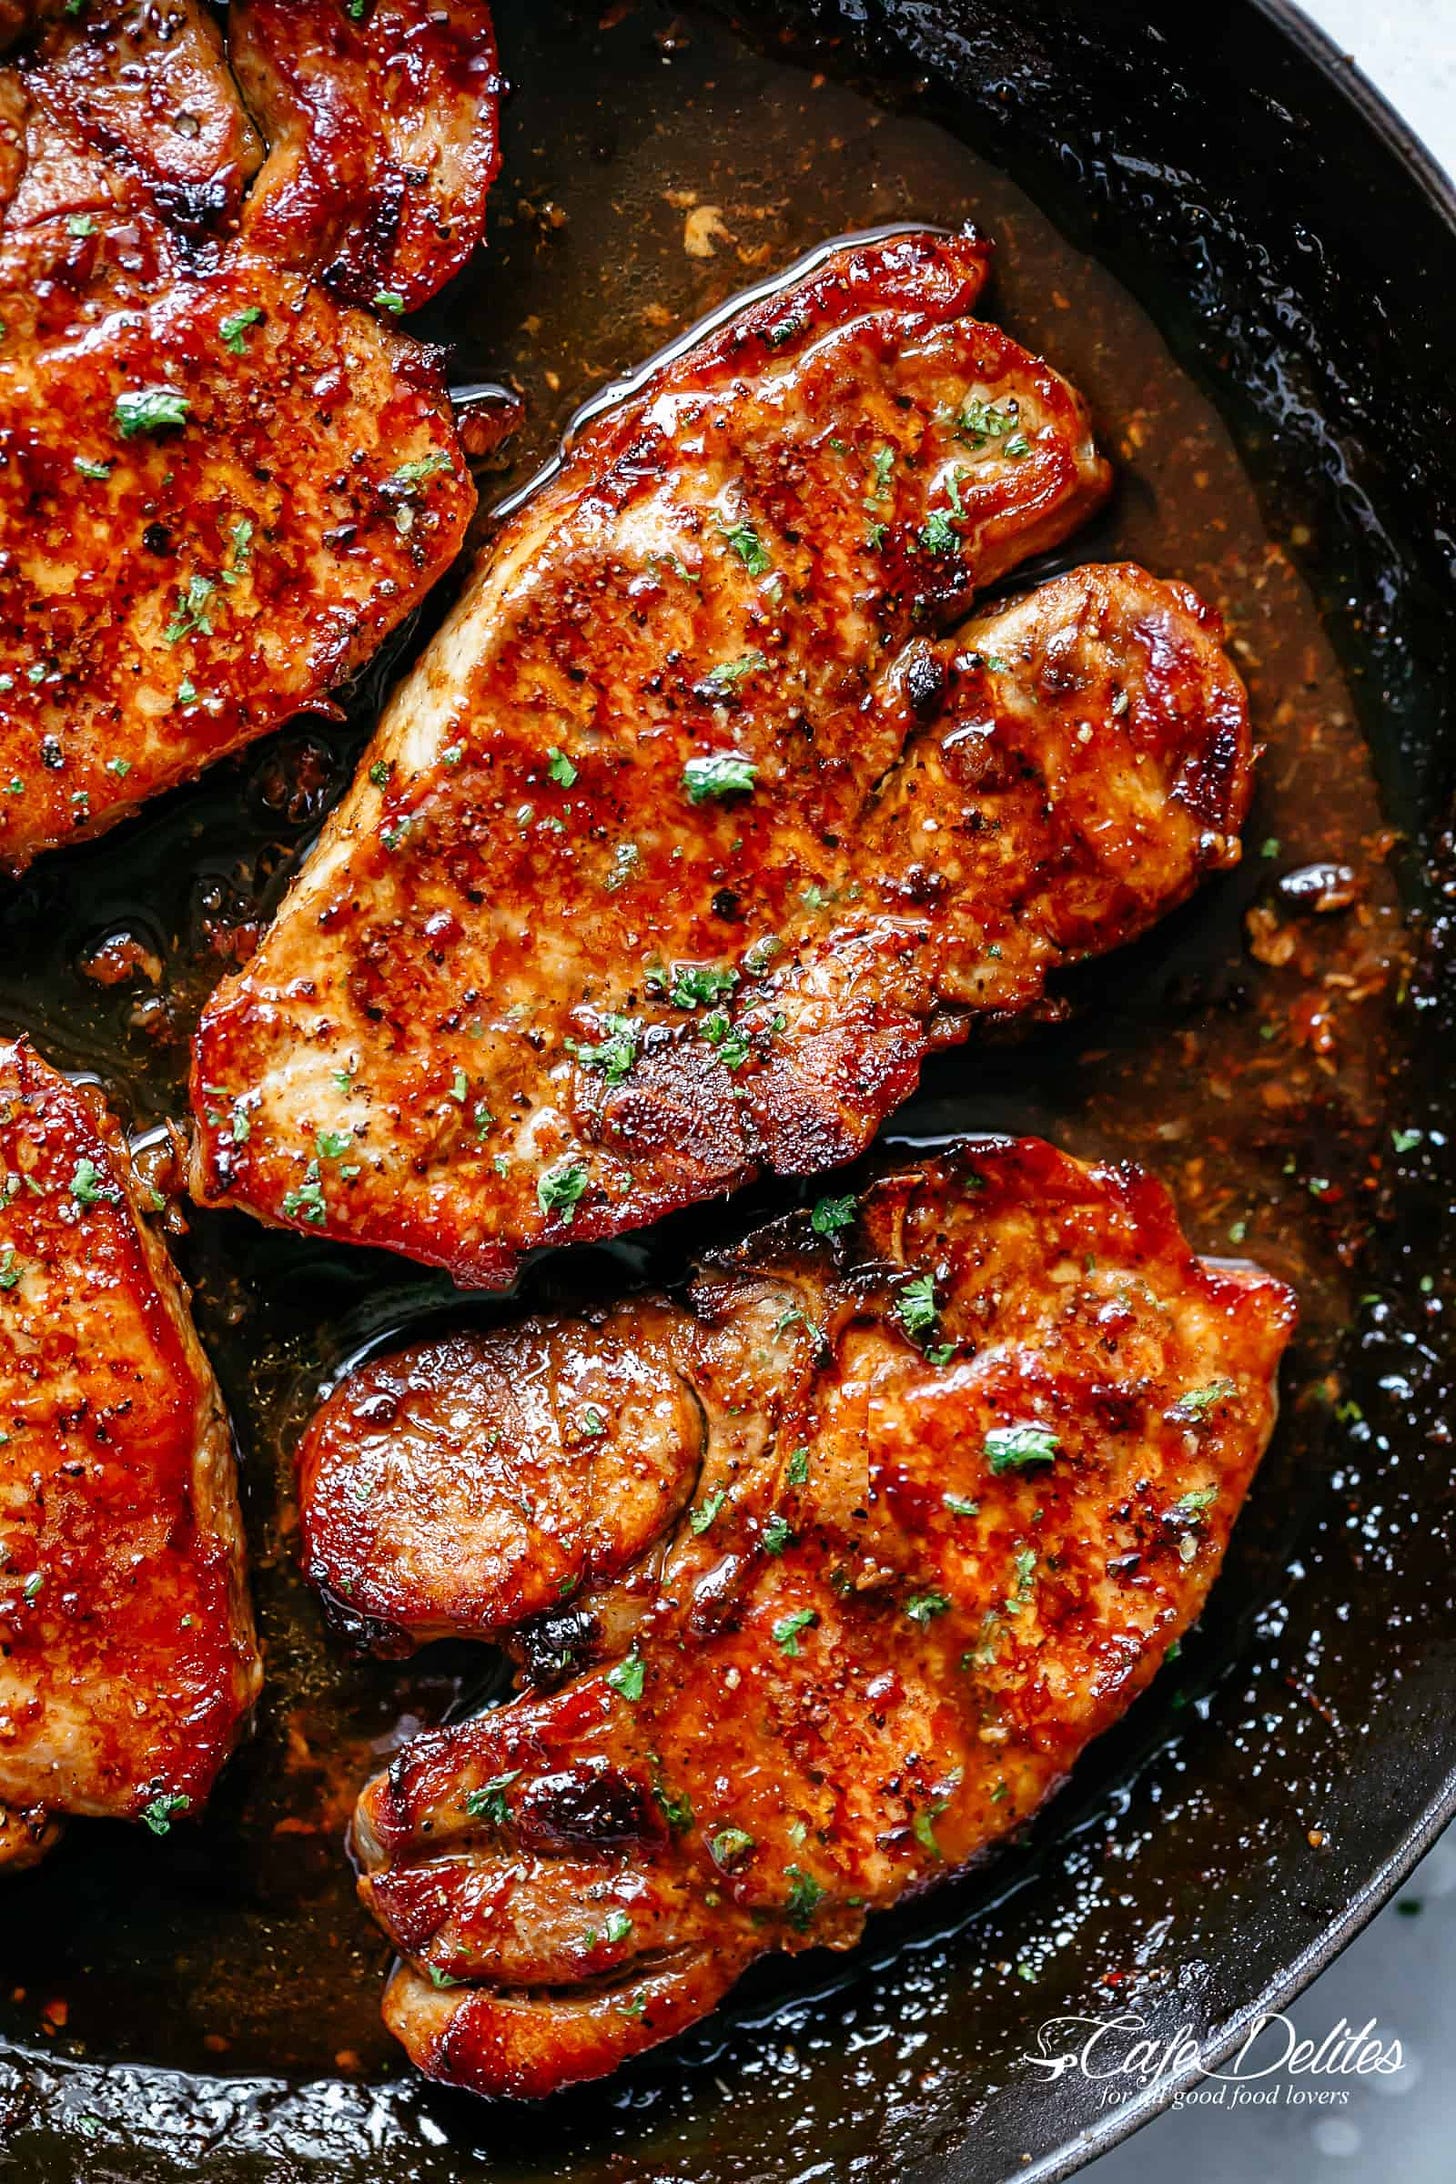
(744, 541)
(80, 223)
(331, 1144)
(10, 1268)
(981, 421)
(593, 1424)
(1014, 1448)
(1406, 1141)
(729, 1847)
(924, 1826)
(193, 611)
(961, 1505)
(489, 1802)
(1025, 1571)
(940, 535)
(916, 1305)
(732, 1049)
(90, 1188)
(676, 1811)
(150, 409)
(729, 673)
(923, 1607)
(805, 1896)
(627, 1677)
(696, 985)
(797, 1473)
(92, 470)
(831, 1215)
(306, 1203)
(614, 1055)
(560, 768)
(560, 1191)
(786, 1630)
(1190, 1508)
(776, 1535)
(241, 535)
(389, 299)
(159, 1814)
(234, 330)
(882, 464)
(1198, 1402)
(380, 771)
(702, 1517)
(725, 773)
(423, 467)
(616, 1926)
(121, 767)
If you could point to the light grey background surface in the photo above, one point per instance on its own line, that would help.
(1401, 2128)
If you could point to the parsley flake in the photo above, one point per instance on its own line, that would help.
(234, 330)
(1014, 1448)
(560, 1191)
(627, 1677)
(489, 1802)
(831, 1215)
(729, 1847)
(725, 773)
(788, 1627)
(150, 409)
(159, 1814)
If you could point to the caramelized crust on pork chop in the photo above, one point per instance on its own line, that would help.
(690, 834)
(960, 1472)
(220, 486)
(127, 1659)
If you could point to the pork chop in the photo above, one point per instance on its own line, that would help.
(127, 1658)
(221, 485)
(934, 1480)
(692, 833)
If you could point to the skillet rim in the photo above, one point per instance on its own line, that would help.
(1398, 139)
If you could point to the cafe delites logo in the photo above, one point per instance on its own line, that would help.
(1275, 2065)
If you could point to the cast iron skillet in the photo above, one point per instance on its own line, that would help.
(1298, 252)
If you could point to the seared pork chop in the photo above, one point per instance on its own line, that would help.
(127, 1659)
(928, 1485)
(220, 485)
(692, 833)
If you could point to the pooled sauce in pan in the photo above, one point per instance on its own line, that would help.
(654, 166)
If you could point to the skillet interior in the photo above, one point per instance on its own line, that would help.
(1305, 279)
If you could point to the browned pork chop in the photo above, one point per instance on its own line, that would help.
(220, 485)
(896, 1513)
(692, 833)
(127, 1659)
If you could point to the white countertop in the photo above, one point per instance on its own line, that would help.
(1408, 49)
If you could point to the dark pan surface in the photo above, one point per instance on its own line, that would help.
(1260, 299)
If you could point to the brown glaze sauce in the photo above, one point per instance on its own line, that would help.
(653, 167)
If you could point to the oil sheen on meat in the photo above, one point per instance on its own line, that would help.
(825, 1577)
(693, 831)
(225, 475)
(127, 1658)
